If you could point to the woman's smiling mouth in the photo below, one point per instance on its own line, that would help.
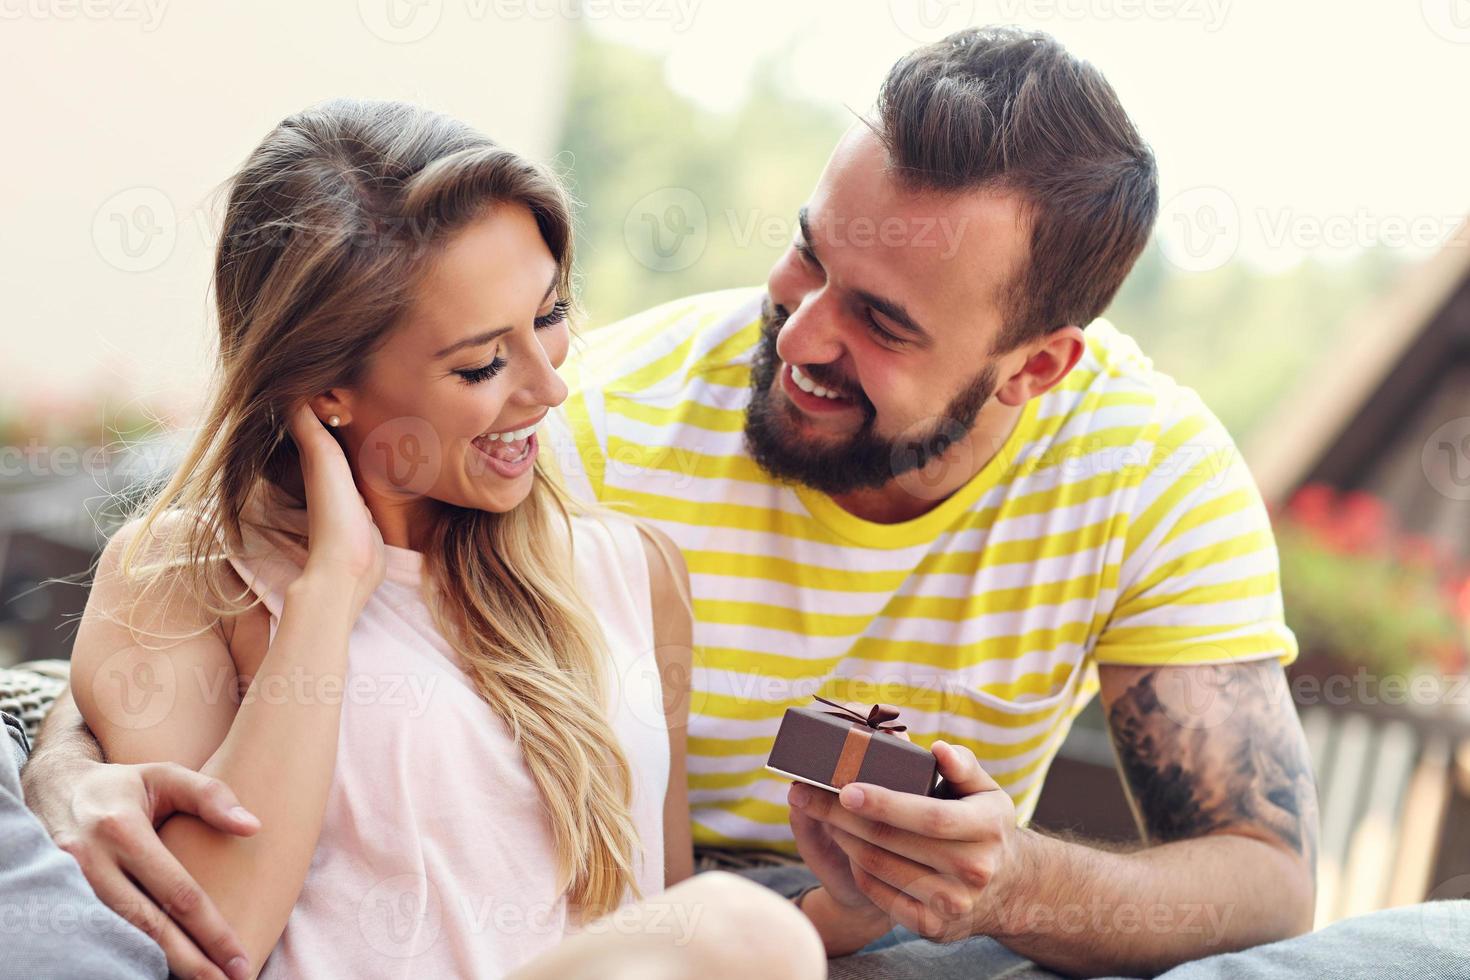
(509, 452)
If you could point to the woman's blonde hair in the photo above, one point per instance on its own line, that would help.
(329, 226)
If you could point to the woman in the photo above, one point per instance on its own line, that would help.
(361, 602)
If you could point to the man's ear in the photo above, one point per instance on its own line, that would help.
(1042, 365)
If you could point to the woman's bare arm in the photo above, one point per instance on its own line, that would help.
(277, 748)
(178, 704)
(673, 630)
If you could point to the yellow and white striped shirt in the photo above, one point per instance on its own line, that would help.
(1116, 525)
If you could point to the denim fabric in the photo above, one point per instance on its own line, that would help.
(51, 924)
(1417, 942)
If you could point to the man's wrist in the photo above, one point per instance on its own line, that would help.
(55, 765)
(1011, 898)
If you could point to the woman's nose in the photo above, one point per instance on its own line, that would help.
(544, 386)
(555, 389)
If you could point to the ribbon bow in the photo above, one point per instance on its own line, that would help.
(878, 716)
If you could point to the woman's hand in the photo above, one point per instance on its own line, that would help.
(344, 544)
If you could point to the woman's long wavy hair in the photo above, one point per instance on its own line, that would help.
(330, 225)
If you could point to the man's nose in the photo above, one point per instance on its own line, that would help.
(811, 334)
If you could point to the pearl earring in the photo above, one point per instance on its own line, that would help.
(334, 420)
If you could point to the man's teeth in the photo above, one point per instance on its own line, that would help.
(514, 435)
(811, 387)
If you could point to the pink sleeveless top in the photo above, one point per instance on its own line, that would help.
(436, 857)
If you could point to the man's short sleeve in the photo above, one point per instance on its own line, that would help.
(1200, 577)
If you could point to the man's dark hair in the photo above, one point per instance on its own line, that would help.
(1013, 110)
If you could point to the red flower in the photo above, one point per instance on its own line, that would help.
(1365, 520)
(1419, 551)
(1462, 601)
(1313, 505)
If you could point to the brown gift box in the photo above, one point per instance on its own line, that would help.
(831, 748)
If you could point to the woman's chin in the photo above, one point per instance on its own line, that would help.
(505, 503)
(497, 486)
(497, 495)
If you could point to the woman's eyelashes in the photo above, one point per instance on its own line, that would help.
(551, 318)
(475, 375)
(557, 314)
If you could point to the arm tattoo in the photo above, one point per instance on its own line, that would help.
(1212, 748)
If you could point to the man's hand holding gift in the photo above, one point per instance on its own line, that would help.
(940, 867)
(894, 833)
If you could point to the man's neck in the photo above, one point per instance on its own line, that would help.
(919, 491)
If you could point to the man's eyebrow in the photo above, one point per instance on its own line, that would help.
(806, 234)
(891, 308)
(489, 335)
(895, 311)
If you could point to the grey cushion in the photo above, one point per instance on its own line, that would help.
(28, 690)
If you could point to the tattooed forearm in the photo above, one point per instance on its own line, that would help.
(1215, 748)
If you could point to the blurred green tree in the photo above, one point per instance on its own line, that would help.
(631, 144)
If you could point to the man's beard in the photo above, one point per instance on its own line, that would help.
(863, 461)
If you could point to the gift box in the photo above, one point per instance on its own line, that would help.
(833, 746)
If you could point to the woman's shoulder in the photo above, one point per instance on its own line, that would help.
(655, 577)
(152, 570)
(633, 544)
(668, 586)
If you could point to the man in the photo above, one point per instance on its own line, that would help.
(905, 472)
